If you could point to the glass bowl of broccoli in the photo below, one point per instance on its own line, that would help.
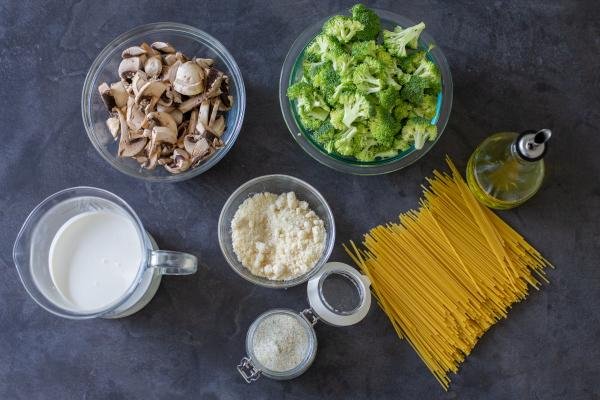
(367, 92)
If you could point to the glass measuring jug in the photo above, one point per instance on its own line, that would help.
(32, 249)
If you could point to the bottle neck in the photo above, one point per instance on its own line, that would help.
(513, 154)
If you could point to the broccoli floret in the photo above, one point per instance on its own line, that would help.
(389, 98)
(430, 73)
(311, 107)
(341, 64)
(402, 110)
(410, 63)
(326, 80)
(342, 28)
(413, 90)
(418, 130)
(344, 144)
(427, 108)
(320, 46)
(336, 117)
(385, 59)
(401, 144)
(325, 135)
(384, 127)
(362, 50)
(397, 40)
(364, 79)
(355, 106)
(370, 21)
(343, 88)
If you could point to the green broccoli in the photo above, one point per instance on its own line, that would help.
(344, 144)
(342, 28)
(326, 79)
(418, 130)
(428, 107)
(320, 46)
(311, 107)
(402, 110)
(336, 117)
(341, 63)
(401, 144)
(355, 106)
(399, 39)
(413, 90)
(325, 135)
(370, 21)
(384, 127)
(343, 88)
(365, 81)
(430, 73)
(362, 50)
(389, 98)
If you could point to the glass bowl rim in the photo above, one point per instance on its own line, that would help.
(223, 227)
(386, 165)
(193, 34)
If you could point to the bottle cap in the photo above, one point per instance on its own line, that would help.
(532, 145)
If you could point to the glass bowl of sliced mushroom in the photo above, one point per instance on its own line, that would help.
(163, 102)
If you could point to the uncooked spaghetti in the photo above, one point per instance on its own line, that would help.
(447, 272)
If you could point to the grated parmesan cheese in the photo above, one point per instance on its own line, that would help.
(277, 237)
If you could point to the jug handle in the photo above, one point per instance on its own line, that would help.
(173, 262)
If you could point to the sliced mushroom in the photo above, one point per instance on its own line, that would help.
(133, 51)
(152, 90)
(170, 59)
(162, 134)
(204, 62)
(197, 100)
(203, 116)
(179, 56)
(119, 93)
(170, 72)
(163, 108)
(153, 66)
(149, 50)
(138, 80)
(163, 47)
(177, 116)
(129, 66)
(189, 79)
(217, 127)
(113, 126)
(106, 96)
(181, 162)
(135, 116)
(160, 119)
(133, 147)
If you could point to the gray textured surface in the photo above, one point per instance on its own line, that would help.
(515, 65)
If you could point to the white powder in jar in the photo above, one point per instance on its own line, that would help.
(277, 237)
(280, 342)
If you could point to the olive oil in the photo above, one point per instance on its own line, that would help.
(507, 169)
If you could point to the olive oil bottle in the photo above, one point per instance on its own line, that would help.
(507, 169)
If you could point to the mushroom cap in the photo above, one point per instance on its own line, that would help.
(133, 51)
(129, 66)
(189, 79)
(163, 47)
(153, 89)
(181, 162)
(153, 66)
(133, 147)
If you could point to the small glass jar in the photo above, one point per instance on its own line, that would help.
(338, 295)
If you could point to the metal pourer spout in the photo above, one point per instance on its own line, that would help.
(532, 145)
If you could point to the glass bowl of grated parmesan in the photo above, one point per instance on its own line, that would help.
(278, 232)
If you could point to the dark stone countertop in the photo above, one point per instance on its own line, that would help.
(516, 65)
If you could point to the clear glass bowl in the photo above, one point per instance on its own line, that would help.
(275, 184)
(292, 72)
(191, 42)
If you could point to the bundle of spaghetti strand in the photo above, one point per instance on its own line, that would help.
(447, 272)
